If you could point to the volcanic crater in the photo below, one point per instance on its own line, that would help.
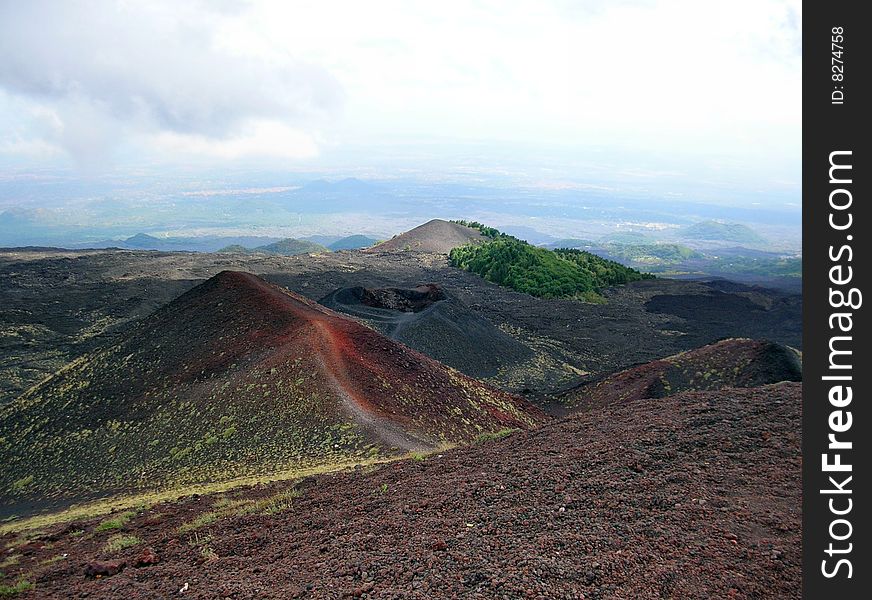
(237, 377)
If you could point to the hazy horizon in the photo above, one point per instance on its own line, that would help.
(109, 108)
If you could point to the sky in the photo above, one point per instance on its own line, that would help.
(110, 85)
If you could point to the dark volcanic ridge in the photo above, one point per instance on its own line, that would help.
(436, 236)
(236, 377)
(732, 363)
(696, 495)
(57, 306)
(430, 320)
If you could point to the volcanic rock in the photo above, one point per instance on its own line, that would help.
(436, 236)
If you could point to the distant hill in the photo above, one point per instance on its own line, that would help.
(292, 247)
(626, 237)
(436, 236)
(729, 363)
(236, 377)
(143, 241)
(722, 232)
(235, 249)
(286, 247)
(648, 254)
(679, 260)
(324, 240)
(568, 243)
(352, 242)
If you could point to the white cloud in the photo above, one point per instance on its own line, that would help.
(19, 147)
(672, 76)
(110, 70)
(259, 138)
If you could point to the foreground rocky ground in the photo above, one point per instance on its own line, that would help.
(696, 495)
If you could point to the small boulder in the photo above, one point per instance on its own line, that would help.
(97, 568)
(146, 557)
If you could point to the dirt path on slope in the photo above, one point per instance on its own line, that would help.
(333, 363)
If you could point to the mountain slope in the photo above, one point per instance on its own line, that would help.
(236, 377)
(436, 236)
(693, 496)
(729, 363)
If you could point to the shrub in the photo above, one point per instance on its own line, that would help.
(199, 521)
(116, 522)
(119, 542)
(483, 229)
(20, 484)
(273, 504)
(10, 561)
(11, 590)
(494, 435)
(208, 553)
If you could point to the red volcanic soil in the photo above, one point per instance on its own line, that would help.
(695, 495)
(235, 378)
(436, 236)
(728, 363)
(359, 363)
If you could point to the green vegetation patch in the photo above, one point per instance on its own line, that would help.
(54, 559)
(201, 520)
(116, 522)
(20, 484)
(225, 507)
(12, 590)
(486, 231)
(562, 273)
(494, 435)
(119, 542)
(271, 505)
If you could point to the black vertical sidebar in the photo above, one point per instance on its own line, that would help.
(837, 563)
